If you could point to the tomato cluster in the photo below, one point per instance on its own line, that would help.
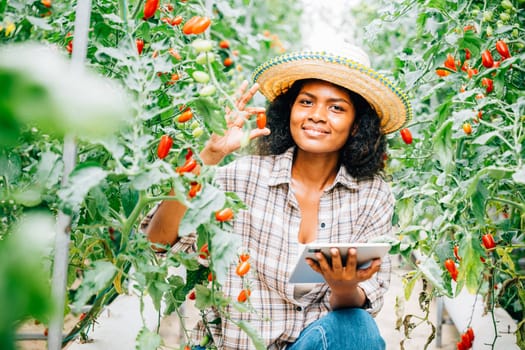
(467, 338)
(196, 25)
(243, 267)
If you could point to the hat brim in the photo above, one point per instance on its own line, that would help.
(391, 104)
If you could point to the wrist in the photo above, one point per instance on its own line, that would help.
(210, 156)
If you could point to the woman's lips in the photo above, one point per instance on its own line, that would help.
(315, 131)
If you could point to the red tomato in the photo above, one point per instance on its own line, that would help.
(82, 316)
(191, 296)
(450, 265)
(224, 44)
(470, 333)
(467, 128)
(46, 3)
(450, 63)
(201, 25)
(224, 214)
(168, 7)
(244, 295)
(210, 276)
(69, 47)
(174, 53)
(164, 147)
(194, 189)
(187, 28)
(486, 59)
(442, 72)
(466, 341)
(406, 135)
(243, 268)
(227, 62)
(176, 20)
(456, 252)
(467, 54)
(488, 83)
(150, 7)
(188, 166)
(244, 257)
(204, 252)
(189, 154)
(185, 116)
(261, 120)
(460, 346)
(502, 49)
(140, 45)
(488, 241)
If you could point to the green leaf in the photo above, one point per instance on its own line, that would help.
(203, 297)
(470, 267)
(40, 23)
(96, 279)
(80, 182)
(148, 340)
(213, 115)
(202, 207)
(478, 200)
(256, 339)
(433, 272)
(225, 247)
(148, 178)
(519, 175)
(443, 147)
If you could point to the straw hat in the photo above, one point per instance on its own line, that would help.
(350, 69)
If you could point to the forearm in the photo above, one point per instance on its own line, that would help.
(348, 298)
(164, 224)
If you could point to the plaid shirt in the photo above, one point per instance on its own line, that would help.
(350, 210)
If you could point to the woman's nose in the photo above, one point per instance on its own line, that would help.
(318, 114)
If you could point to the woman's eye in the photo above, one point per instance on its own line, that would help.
(338, 108)
(305, 102)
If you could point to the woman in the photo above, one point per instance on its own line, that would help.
(316, 178)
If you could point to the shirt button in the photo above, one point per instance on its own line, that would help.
(299, 308)
(323, 225)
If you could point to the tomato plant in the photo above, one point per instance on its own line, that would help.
(459, 181)
(143, 51)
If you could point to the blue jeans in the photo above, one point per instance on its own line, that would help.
(341, 329)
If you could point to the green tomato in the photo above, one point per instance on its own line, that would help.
(487, 16)
(489, 31)
(208, 90)
(202, 45)
(201, 77)
(204, 57)
(205, 340)
(504, 17)
(197, 132)
(194, 125)
(507, 5)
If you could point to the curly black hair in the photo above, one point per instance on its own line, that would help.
(364, 151)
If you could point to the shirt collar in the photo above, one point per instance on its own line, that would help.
(282, 172)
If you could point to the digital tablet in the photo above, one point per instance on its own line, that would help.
(303, 273)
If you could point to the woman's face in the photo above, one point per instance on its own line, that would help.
(321, 117)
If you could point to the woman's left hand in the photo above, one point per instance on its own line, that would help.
(343, 277)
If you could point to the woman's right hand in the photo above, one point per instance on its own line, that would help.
(219, 146)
